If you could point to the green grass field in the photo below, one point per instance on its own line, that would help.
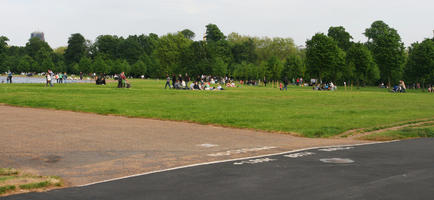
(299, 110)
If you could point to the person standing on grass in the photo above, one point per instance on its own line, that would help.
(186, 79)
(9, 79)
(167, 81)
(122, 79)
(48, 78)
(285, 84)
(119, 81)
(173, 80)
(265, 81)
(60, 78)
(64, 77)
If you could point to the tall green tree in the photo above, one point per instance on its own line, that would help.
(388, 50)
(274, 68)
(107, 45)
(365, 70)
(77, 48)
(3, 49)
(85, 65)
(187, 33)
(130, 49)
(100, 66)
(34, 45)
(149, 43)
(138, 69)
(196, 59)
(293, 67)
(420, 65)
(25, 64)
(3, 44)
(341, 36)
(213, 33)
(324, 59)
(44, 60)
(169, 53)
(244, 51)
(269, 47)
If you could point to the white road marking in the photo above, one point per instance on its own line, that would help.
(255, 161)
(337, 160)
(298, 155)
(238, 151)
(336, 149)
(208, 145)
(224, 161)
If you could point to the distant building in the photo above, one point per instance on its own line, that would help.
(39, 35)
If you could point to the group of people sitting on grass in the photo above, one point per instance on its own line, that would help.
(325, 87)
(401, 88)
(202, 82)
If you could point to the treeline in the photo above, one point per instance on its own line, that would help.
(332, 57)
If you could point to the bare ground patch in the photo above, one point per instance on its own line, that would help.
(363, 132)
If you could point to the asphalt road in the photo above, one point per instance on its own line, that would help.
(398, 170)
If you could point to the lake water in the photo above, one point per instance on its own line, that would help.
(19, 79)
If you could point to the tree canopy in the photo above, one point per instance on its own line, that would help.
(328, 57)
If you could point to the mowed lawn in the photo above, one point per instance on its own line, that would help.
(299, 110)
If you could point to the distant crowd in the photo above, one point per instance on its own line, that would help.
(203, 82)
(59, 77)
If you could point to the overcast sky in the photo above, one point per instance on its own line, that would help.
(298, 19)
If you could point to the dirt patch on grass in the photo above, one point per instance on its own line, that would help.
(363, 133)
(19, 182)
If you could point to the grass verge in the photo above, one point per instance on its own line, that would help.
(405, 133)
(7, 188)
(8, 171)
(11, 180)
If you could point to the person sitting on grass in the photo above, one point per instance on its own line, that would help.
(431, 89)
(100, 80)
(183, 85)
(196, 86)
(332, 86)
(219, 87)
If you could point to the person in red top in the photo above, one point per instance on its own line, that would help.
(122, 80)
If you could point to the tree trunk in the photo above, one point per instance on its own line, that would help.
(388, 81)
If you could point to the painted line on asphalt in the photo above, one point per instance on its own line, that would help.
(299, 155)
(231, 160)
(239, 151)
(254, 161)
(335, 149)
